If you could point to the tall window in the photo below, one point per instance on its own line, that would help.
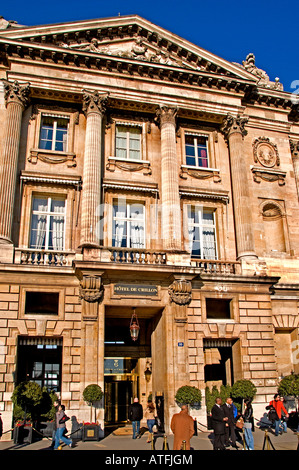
(47, 223)
(53, 133)
(196, 147)
(128, 142)
(202, 233)
(128, 224)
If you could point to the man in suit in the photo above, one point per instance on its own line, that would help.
(218, 423)
(135, 416)
(230, 424)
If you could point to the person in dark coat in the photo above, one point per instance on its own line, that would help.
(218, 423)
(230, 435)
(135, 415)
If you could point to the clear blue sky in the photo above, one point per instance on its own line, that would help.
(229, 29)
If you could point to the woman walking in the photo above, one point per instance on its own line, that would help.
(248, 424)
(150, 417)
(60, 428)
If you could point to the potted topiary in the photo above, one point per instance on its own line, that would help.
(243, 389)
(91, 394)
(30, 402)
(188, 395)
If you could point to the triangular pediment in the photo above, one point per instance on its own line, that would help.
(127, 37)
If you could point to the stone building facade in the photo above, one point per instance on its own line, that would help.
(143, 179)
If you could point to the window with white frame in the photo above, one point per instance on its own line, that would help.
(48, 223)
(128, 142)
(196, 148)
(53, 133)
(202, 232)
(128, 228)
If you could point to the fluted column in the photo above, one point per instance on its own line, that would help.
(94, 108)
(234, 131)
(16, 98)
(171, 211)
(294, 144)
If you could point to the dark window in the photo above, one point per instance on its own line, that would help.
(219, 309)
(44, 303)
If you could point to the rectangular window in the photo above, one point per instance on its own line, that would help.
(202, 233)
(128, 229)
(218, 309)
(42, 303)
(47, 223)
(53, 133)
(128, 142)
(196, 147)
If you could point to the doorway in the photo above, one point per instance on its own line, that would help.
(218, 367)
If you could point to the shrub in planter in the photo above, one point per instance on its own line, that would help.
(188, 395)
(91, 394)
(289, 386)
(243, 389)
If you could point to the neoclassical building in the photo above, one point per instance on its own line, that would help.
(149, 217)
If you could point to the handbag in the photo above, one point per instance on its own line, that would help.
(240, 423)
(63, 419)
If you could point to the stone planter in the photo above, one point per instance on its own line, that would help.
(23, 434)
(46, 428)
(90, 432)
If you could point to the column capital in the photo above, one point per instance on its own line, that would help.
(15, 92)
(165, 114)
(294, 145)
(232, 125)
(94, 102)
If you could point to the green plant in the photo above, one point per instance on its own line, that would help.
(188, 395)
(289, 385)
(91, 394)
(30, 401)
(243, 389)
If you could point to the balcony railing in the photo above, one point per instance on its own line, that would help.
(32, 257)
(137, 256)
(217, 267)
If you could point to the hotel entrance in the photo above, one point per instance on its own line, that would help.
(128, 367)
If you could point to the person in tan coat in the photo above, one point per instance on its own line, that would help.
(182, 426)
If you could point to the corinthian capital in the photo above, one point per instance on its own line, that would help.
(94, 102)
(14, 92)
(165, 114)
(232, 124)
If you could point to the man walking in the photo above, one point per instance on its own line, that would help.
(230, 434)
(135, 415)
(182, 426)
(218, 423)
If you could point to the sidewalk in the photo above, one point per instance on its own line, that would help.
(203, 441)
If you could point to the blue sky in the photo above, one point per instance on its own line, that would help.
(229, 29)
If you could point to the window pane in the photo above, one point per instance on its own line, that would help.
(40, 205)
(56, 233)
(57, 205)
(38, 231)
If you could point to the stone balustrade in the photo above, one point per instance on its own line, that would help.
(32, 257)
(217, 267)
(138, 256)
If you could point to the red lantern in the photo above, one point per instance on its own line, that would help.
(134, 327)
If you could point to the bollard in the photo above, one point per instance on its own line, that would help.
(152, 441)
(183, 447)
(165, 444)
(244, 442)
(267, 441)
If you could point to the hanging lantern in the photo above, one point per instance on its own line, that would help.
(134, 326)
(148, 372)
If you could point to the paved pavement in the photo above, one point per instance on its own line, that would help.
(203, 441)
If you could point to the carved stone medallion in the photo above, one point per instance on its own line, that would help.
(265, 152)
(180, 291)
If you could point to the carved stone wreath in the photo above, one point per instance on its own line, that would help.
(265, 152)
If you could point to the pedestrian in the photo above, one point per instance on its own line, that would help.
(56, 405)
(182, 426)
(230, 435)
(135, 415)
(1, 426)
(248, 424)
(218, 424)
(149, 414)
(278, 406)
(61, 418)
